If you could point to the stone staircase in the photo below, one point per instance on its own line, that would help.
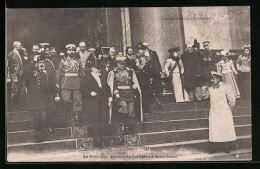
(177, 125)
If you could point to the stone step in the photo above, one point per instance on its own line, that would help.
(24, 125)
(192, 106)
(201, 145)
(13, 126)
(185, 135)
(29, 135)
(189, 114)
(187, 124)
(169, 107)
(47, 146)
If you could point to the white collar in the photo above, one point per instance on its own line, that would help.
(16, 51)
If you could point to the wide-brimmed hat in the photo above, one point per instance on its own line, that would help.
(225, 52)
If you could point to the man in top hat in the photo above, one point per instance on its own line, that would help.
(244, 69)
(106, 63)
(96, 99)
(221, 125)
(15, 72)
(199, 82)
(156, 68)
(191, 63)
(209, 61)
(145, 76)
(42, 90)
(123, 83)
(68, 76)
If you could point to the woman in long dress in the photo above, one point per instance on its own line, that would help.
(174, 68)
(244, 68)
(226, 67)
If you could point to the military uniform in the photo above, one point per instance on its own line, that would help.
(122, 82)
(143, 68)
(130, 61)
(68, 80)
(209, 61)
(41, 92)
(15, 72)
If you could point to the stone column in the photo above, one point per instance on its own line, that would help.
(125, 19)
(161, 27)
(114, 28)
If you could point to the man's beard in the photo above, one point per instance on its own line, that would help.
(83, 51)
(36, 53)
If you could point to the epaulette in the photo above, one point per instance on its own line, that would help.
(115, 69)
(63, 59)
(128, 68)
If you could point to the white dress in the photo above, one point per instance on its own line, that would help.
(176, 80)
(221, 124)
(227, 69)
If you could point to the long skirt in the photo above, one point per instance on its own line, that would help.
(180, 94)
(221, 126)
(244, 84)
(230, 79)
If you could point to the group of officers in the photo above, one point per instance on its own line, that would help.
(89, 85)
(98, 86)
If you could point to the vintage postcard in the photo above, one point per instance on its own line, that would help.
(128, 84)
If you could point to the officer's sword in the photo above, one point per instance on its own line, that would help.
(156, 98)
(110, 113)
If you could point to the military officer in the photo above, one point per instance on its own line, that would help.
(209, 61)
(143, 68)
(130, 60)
(68, 76)
(15, 74)
(123, 82)
(221, 124)
(152, 56)
(41, 91)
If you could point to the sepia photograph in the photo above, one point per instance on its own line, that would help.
(127, 84)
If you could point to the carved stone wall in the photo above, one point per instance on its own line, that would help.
(225, 27)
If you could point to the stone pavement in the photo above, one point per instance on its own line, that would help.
(131, 154)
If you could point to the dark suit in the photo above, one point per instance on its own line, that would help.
(95, 108)
(156, 69)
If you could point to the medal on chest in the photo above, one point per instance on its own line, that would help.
(122, 75)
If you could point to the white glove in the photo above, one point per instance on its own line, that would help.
(57, 99)
(8, 80)
(135, 86)
(35, 58)
(117, 96)
(93, 93)
(109, 101)
(58, 86)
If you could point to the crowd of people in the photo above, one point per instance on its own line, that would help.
(98, 86)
